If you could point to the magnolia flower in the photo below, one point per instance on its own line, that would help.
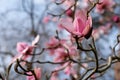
(53, 44)
(104, 5)
(37, 73)
(60, 55)
(81, 26)
(25, 50)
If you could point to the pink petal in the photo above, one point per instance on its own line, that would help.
(66, 24)
(37, 72)
(88, 26)
(78, 25)
(21, 46)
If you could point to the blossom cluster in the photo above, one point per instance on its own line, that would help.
(67, 53)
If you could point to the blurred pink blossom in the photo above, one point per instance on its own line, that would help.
(60, 55)
(69, 70)
(104, 5)
(37, 73)
(24, 50)
(54, 43)
(46, 19)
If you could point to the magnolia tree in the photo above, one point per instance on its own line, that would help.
(76, 55)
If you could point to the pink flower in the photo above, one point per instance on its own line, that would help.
(37, 73)
(81, 26)
(105, 5)
(24, 49)
(71, 49)
(54, 43)
(67, 70)
(60, 55)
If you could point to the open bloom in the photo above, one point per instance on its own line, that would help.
(37, 73)
(81, 26)
(24, 49)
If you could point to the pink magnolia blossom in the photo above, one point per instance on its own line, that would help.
(60, 55)
(37, 73)
(53, 44)
(81, 26)
(24, 49)
(104, 5)
(71, 49)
